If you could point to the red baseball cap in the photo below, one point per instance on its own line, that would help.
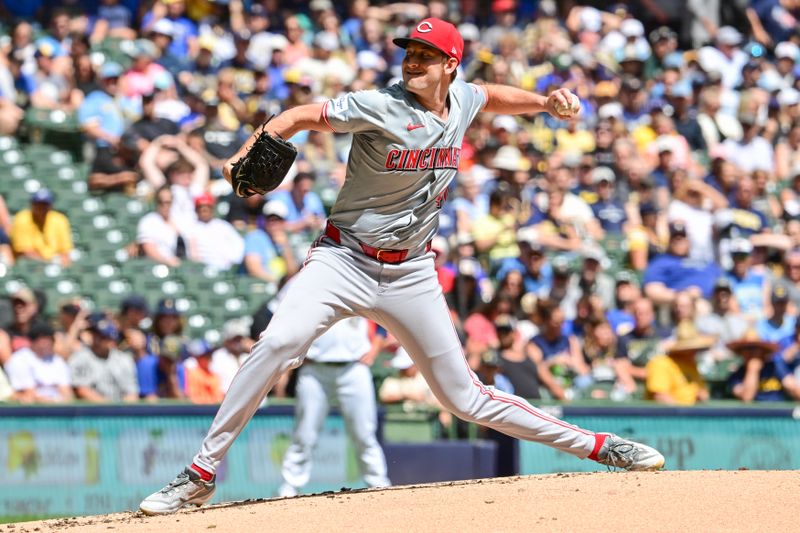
(436, 33)
(204, 199)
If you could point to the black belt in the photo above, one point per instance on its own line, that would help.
(330, 363)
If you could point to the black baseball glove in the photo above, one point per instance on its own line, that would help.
(263, 167)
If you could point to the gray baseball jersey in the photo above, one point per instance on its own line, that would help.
(401, 163)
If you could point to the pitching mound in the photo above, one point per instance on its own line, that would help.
(660, 501)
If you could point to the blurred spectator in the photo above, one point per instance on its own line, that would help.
(202, 384)
(72, 323)
(495, 233)
(752, 151)
(245, 213)
(674, 271)
(536, 272)
(637, 348)
(479, 326)
(607, 209)
(52, 89)
(590, 280)
(646, 241)
(213, 241)
(115, 169)
(673, 379)
(791, 276)
(599, 352)
(750, 286)
(693, 205)
(184, 30)
(40, 233)
(100, 371)
(133, 313)
(723, 322)
(408, 387)
(236, 344)
(158, 234)
(36, 373)
(114, 19)
(777, 325)
(715, 124)
(553, 230)
(516, 363)
(626, 292)
(163, 375)
(558, 357)
(267, 253)
(186, 173)
(16, 335)
(100, 114)
(773, 21)
(304, 210)
(151, 126)
(764, 374)
(219, 137)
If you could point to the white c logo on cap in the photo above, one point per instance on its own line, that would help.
(424, 27)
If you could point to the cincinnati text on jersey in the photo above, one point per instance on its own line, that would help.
(423, 159)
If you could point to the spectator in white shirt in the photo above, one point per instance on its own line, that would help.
(214, 241)
(236, 344)
(36, 373)
(157, 234)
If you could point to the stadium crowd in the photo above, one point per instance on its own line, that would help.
(649, 249)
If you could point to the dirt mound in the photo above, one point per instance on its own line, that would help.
(658, 501)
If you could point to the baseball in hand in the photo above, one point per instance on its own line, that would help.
(570, 110)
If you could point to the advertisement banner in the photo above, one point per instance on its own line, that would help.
(688, 443)
(56, 466)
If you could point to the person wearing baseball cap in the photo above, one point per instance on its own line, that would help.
(36, 373)
(40, 233)
(213, 241)
(101, 372)
(404, 152)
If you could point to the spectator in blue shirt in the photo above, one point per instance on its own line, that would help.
(305, 211)
(100, 115)
(741, 219)
(607, 209)
(537, 275)
(779, 325)
(673, 271)
(163, 375)
(267, 253)
(750, 287)
(184, 30)
(626, 292)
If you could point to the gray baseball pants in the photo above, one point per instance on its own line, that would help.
(339, 281)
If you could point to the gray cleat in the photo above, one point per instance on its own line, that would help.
(188, 489)
(617, 452)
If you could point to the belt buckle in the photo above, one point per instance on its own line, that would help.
(378, 255)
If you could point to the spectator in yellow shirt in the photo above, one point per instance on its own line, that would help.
(673, 379)
(40, 233)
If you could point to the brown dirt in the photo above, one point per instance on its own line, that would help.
(657, 501)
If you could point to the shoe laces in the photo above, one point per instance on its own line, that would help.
(620, 454)
(180, 480)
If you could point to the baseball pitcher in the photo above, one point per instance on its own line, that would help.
(374, 259)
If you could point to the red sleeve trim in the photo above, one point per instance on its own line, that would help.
(325, 115)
